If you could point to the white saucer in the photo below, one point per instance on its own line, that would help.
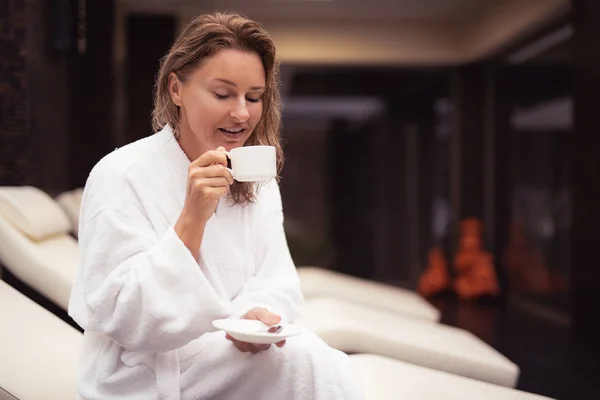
(252, 331)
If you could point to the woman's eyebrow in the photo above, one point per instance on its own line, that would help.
(230, 83)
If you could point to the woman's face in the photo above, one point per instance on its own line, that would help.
(221, 101)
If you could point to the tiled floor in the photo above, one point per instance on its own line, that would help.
(552, 362)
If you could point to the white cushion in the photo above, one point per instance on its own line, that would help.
(359, 329)
(319, 282)
(70, 202)
(39, 353)
(48, 265)
(32, 212)
(387, 379)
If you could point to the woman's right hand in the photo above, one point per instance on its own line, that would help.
(208, 181)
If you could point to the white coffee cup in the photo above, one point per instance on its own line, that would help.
(253, 163)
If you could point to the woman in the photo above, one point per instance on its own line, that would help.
(170, 242)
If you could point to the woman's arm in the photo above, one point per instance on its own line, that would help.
(146, 293)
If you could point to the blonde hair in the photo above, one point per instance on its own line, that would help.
(203, 37)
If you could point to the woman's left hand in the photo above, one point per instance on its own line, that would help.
(260, 314)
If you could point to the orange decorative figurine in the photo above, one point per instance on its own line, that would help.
(435, 278)
(473, 264)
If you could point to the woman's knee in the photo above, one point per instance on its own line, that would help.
(307, 347)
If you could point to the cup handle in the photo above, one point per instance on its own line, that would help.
(229, 163)
(231, 172)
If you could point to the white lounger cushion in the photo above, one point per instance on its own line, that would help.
(359, 329)
(33, 212)
(387, 379)
(70, 202)
(39, 353)
(35, 244)
(320, 282)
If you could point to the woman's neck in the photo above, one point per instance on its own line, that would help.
(188, 143)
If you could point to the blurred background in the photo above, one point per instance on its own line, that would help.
(402, 119)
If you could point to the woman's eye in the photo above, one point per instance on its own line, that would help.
(221, 96)
(251, 100)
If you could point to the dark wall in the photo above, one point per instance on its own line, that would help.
(585, 240)
(56, 100)
(49, 99)
(15, 160)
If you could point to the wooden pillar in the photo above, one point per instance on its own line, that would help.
(468, 93)
(351, 195)
(91, 89)
(390, 202)
(426, 152)
(142, 66)
(498, 161)
(585, 240)
(410, 150)
(473, 178)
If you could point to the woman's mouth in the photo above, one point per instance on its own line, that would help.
(233, 133)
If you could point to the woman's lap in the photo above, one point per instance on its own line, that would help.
(213, 368)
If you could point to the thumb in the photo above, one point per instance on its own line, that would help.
(268, 318)
(221, 148)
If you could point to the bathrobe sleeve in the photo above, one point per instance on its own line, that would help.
(145, 291)
(275, 285)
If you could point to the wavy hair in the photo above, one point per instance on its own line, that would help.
(203, 37)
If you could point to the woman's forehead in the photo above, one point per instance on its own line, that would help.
(234, 68)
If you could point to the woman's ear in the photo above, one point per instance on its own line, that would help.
(175, 89)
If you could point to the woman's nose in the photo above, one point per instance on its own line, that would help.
(240, 113)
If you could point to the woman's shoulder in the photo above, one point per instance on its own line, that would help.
(114, 167)
(109, 180)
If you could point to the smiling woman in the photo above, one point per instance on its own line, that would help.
(170, 242)
(219, 102)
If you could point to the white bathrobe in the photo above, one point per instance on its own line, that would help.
(147, 305)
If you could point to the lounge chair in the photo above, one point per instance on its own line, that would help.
(35, 244)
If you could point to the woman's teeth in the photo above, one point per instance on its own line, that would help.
(232, 130)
